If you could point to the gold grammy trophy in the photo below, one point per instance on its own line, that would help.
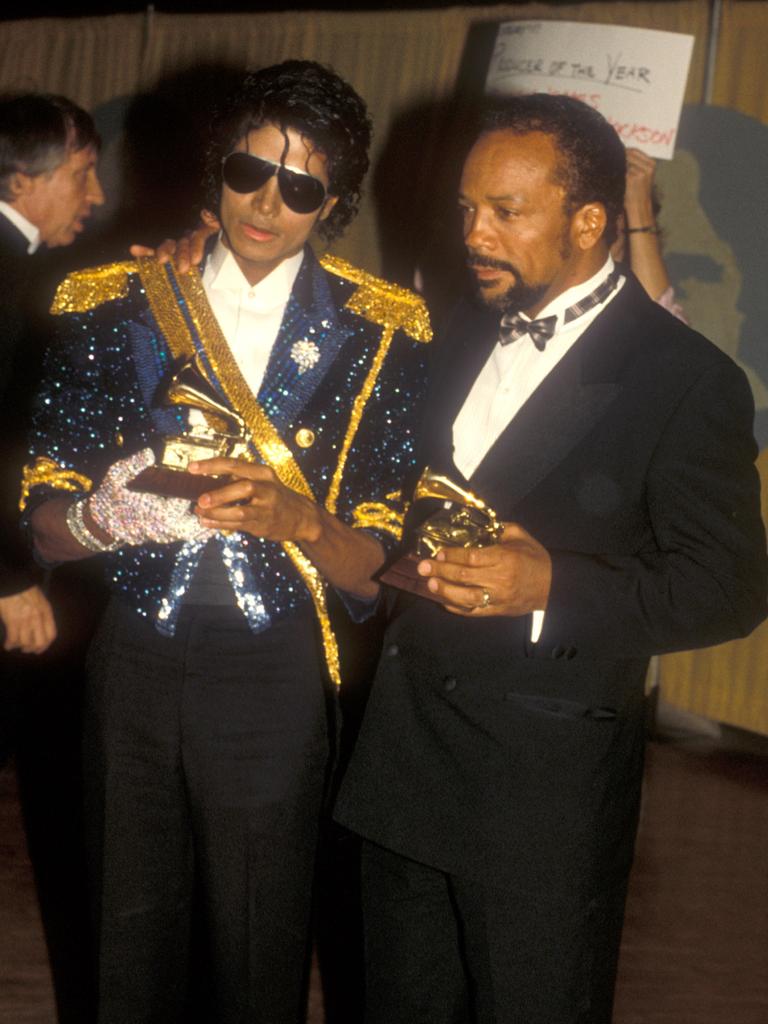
(169, 477)
(465, 522)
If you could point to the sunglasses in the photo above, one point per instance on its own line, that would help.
(301, 193)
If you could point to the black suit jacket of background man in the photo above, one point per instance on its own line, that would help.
(40, 694)
(20, 358)
(519, 764)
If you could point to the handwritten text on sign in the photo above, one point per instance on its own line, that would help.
(635, 77)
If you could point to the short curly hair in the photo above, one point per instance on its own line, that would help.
(592, 159)
(312, 100)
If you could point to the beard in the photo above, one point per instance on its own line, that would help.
(519, 296)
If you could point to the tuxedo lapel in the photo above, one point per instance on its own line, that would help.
(307, 344)
(457, 359)
(559, 414)
(568, 403)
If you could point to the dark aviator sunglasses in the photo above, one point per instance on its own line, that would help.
(243, 172)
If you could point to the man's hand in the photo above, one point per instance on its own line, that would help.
(187, 251)
(28, 620)
(512, 577)
(256, 503)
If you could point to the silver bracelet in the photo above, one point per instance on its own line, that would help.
(81, 533)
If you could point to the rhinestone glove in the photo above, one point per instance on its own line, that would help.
(133, 517)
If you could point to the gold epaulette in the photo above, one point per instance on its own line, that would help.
(87, 289)
(382, 303)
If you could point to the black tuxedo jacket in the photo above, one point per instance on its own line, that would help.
(19, 366)
(28, 283)
(490, 757)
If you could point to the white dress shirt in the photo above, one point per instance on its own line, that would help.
(511, 375)
(249, 315)
(26, 227)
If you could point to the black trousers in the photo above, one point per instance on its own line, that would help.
(443, 949)
(206, 765)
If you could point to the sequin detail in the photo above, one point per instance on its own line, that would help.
(86, 289)
(377, 515)
(357, 414)
(165, 306)
(45, 471)
(249, 598)
(392, 308)
(184, 567)
(382, 303)
(316, 586)
(101, 378)
(270, 445)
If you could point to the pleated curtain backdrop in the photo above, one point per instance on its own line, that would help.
(407, 65)
(398, 60)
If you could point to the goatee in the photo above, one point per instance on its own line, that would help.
(518, 297)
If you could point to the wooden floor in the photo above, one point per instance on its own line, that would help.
(695, 947)
(696, 940)
(26, 995)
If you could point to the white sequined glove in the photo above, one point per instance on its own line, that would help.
(134, 517)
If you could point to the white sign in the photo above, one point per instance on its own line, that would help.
(635, 77)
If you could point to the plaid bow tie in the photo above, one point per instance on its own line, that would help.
(514, 326)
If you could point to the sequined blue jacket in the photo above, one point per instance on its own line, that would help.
(339, 426)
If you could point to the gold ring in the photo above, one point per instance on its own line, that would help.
(486, 599)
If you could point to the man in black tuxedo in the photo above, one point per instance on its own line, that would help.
(496, 779)
(48, 184)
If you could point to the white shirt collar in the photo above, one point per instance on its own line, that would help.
(564, 300)
(26, 227)
(222, 273)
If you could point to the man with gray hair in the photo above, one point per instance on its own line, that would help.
(48, 185)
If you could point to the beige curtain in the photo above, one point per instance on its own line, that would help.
(91, 60)
(727, 683)
(396, 59)
(741, 79)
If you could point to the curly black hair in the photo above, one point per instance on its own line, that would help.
(312, 100)
(592, 162)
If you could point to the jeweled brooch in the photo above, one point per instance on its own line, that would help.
(305, 354)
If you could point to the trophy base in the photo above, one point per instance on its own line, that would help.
(175, 483)
(402, 575)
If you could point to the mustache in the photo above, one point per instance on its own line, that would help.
(476, 260)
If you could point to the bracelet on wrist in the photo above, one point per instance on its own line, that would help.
(648, 229)
(81, 533)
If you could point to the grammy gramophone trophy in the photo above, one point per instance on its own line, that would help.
(466, 521)
(169, 477)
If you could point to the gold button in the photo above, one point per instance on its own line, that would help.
(119, 440)
(305, 437)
